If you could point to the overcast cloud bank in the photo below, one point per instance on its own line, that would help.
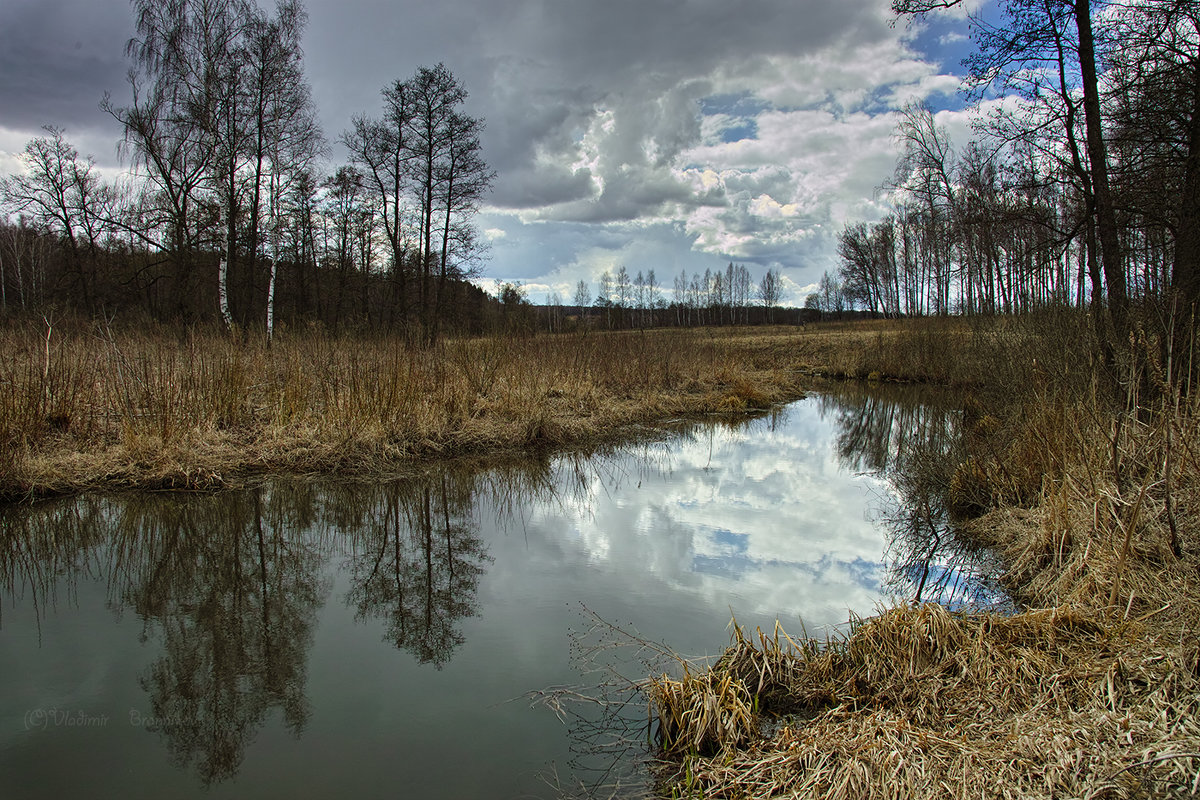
(669, 135)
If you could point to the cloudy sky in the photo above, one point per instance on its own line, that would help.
(655, 134)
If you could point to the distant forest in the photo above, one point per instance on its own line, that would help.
(714, 297)
(227, 214)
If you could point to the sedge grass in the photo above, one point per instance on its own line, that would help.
(919, 702)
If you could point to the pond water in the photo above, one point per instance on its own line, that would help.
(321, 639)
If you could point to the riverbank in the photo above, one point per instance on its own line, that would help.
(1089, 497)
(85, 407)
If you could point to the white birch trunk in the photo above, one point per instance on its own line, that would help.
(271, 292)
(222, 284)
(273, 229)
(3, 293)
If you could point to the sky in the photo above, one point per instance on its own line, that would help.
(652, 134)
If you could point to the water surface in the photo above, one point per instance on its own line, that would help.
(321, 639)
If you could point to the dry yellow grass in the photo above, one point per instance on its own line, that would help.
(87, 408)
(1093, 692)
(923, 703)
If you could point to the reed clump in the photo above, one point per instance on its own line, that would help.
(707, 712)
(921, 702)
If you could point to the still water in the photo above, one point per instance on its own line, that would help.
(322, 639)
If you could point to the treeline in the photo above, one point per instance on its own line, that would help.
(334, 288)
(981, 232)
(229, 213)
(1085, 193)
(714, 297)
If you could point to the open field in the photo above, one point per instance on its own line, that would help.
(84, 406)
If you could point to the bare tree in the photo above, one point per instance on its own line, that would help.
(622, 287)
(285, 138)
(221, 121)
(652, 298)
(583, 297)
(426, 172)
(604, 296)
(1039, 36)
(25, 251)
(639, 299)
(463, 178)
(925, 171)
(344, 207)
(181, 128)
(435, 95)
(60, 193)
(379, 148)
(1155, 107)
(769, 290)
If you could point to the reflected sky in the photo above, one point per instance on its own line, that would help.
(309, 639)
(760, 520)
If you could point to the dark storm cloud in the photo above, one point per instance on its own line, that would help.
(650, 63)
(531, 186)
(540, 70)
(671, 39)
(57, 59)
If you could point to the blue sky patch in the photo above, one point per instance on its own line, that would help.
(731, 542)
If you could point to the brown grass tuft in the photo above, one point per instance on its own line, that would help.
(920, 702)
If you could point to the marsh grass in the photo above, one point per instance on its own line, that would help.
(85, 405)
(919, 702)
(1086, 483)
(90, 406)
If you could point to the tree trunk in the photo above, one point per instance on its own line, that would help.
(1106, 217)
(1185, 271)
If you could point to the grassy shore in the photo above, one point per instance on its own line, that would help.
(1088, 486)
(85, 407)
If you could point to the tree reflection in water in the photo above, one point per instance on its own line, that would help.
(416, 562)
(41, 544)
(912, 437)
(229, 587)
